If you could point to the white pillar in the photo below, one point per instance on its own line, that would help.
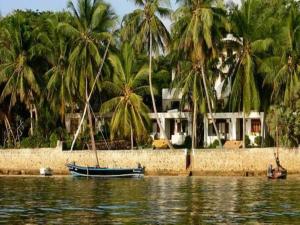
(233, 129)
(190, 125)
(262, 127)
(205, 130)
(175, 127)
(163, 124)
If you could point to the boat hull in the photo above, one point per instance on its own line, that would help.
(81, 171)
(278, 174)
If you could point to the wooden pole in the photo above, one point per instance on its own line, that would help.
(89, 96)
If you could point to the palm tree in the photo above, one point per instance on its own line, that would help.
(148, 33)
(245, 92)
(130, 114)
(191, 88)
(196, 31)
(57, 45)
(93, 22)
(283, 68)
(16, 71)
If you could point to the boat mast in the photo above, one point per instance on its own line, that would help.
(89, 97)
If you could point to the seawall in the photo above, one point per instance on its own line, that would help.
(29, 161)
(245, 162)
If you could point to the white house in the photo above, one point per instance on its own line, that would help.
(230, 126)
(176, 123)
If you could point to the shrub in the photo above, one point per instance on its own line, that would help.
(215, 144)
(268, 141)
(53, 140)
(247, 141)
(258, 140)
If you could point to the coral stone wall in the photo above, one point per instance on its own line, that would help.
(253, 161)
(29, 161)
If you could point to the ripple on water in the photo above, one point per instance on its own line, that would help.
(152, 200)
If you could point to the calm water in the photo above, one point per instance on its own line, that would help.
(152, 200)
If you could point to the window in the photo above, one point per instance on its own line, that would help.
(255, 126)
(175, 104)
(222, 125)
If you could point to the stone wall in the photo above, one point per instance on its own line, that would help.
(252, 161)
(157, 162)
(29, 161)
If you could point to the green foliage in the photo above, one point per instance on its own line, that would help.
(268, 141)
(53, 140)
(35, 141)
(214, 145)
(129, 111)
(284, 123)
(247, 141)
(258, 140)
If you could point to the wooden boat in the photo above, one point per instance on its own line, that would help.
(277, 173)
(100, 172)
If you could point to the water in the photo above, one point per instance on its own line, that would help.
(152, 200)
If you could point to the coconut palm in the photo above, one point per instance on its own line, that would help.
(129, 113)
(93, 21)
(196, 31)
(283, 68)
(245, 93)
(57, 47)
(16, 71)
(148, 33)
(192, 91)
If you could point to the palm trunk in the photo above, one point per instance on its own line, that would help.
(194, 132)
(244, 129)
(131, 134)
(91, 125)
(152, 95)
(31, 120)
(209, 106)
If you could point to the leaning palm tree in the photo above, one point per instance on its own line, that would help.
(129, 113)
(92, 25)
(16, 71)
(245, 92)
(148, 33)
(283, 68)
(196, 31)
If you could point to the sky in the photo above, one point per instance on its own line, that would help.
(121, 7)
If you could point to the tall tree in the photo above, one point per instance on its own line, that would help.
(148, 33)
(245, 92)
(196, 31)
(92, 26)
(57, 46)
(282, 68)
(17, 53)
(130, 114)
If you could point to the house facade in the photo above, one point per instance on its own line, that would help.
(230, 126)
(177, 123)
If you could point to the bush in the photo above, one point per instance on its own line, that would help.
(215, 144)
(53, 140)
(247, 141)
(269, 141)
(258, 140)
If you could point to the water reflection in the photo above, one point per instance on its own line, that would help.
(153, 200)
